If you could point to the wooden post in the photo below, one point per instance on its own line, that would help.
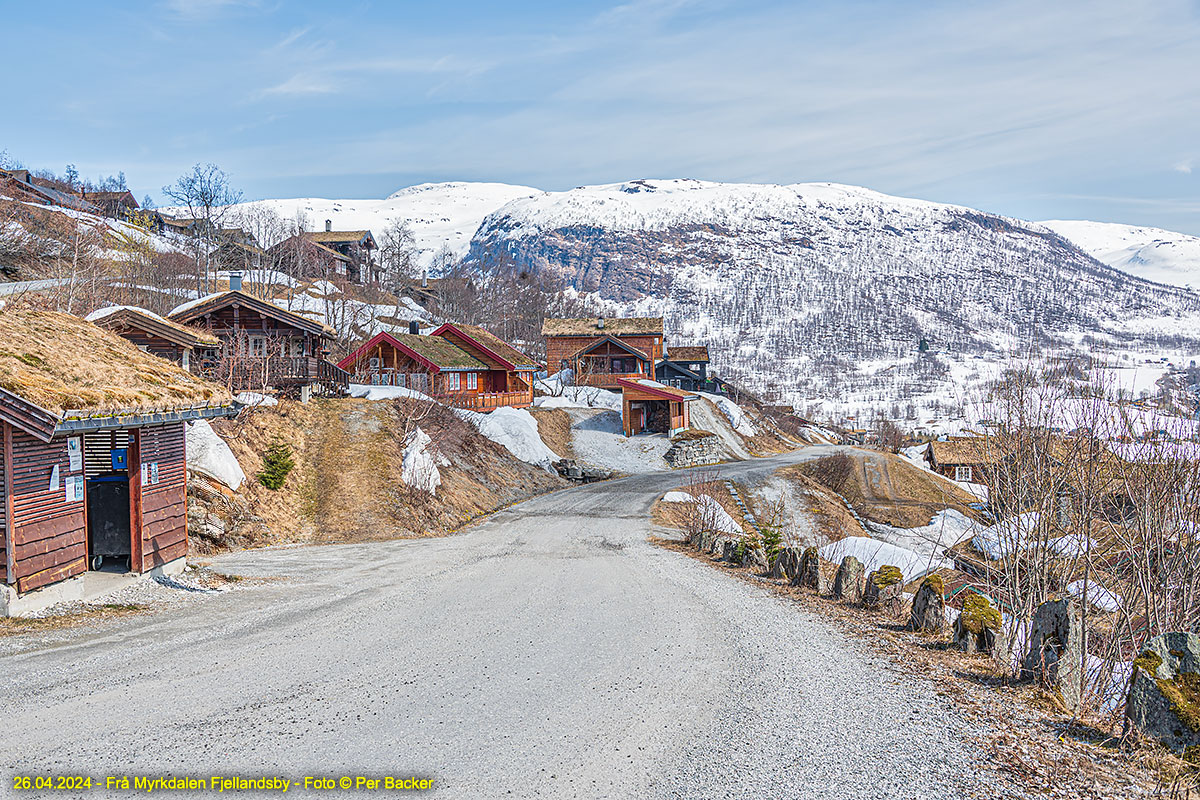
(134, 462)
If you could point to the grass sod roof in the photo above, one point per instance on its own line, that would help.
(966, 450)
(67, 365)
(115, 317)
(614, 326)
(699, 353)
(442, 353)
(498, 346)
(337, 236)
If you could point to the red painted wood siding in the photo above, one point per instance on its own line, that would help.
(163, 505)
(49, 534)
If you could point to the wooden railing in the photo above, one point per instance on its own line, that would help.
(487, 401)
(254, 374)
(607, 380)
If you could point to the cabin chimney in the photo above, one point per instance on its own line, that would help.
(414, 327)
(328, 225)
(600, 323)
(425, 279)
(235, 281)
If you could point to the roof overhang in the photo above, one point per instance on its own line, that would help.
(663, 392)
(633, 351)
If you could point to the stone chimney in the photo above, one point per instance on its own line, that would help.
(235, 281)
(328, 225)
(414, 327)
(600, 323)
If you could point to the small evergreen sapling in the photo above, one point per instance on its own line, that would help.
(277, 463)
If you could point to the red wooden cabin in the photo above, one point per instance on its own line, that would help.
(651, 407)
(601, 351)
(93, 470)
(462, 365)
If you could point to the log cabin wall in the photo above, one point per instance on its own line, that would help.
(49, 532)
(241, 318)
(4, 492)
(560, 348)
(163, 510)
(155, 345)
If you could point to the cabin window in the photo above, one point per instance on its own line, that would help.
(453, 382)
(297, 348)
(258, 346)
(694, 367)
(187, 359)
(962, 474)
(472, 380)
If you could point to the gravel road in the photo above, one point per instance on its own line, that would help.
(547, 652)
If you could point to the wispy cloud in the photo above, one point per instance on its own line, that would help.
(301, 84)
(194, 9)
(1185, 166)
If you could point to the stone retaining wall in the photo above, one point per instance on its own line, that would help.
(694, 452)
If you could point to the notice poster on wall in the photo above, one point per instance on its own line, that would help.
(74, 489)
(75, 454)
(53, 479)
(153, 473)
(145, 473)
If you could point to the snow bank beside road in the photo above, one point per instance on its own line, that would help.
(418, 469)
(516, 430)
(735, 413)
(208, 455)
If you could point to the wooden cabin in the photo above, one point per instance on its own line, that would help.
(601, 351)
(685, 368)
(461, 365)
(156, 335)
(302, 257)
(968, 459)
(651, 407)
(348, 253)
(263, 346)
(93, 472)
(117, 205)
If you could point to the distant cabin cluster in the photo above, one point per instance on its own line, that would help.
(94, 412)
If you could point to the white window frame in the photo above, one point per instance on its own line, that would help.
(962, 474)
(187, 359)
(453, 382)
(256, 346)
(472, 380)
(296, 348)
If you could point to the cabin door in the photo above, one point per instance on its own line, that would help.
(106, 477)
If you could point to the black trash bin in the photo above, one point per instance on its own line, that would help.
(108, 520)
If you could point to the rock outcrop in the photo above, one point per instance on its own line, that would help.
(1056, 650)
(929, 606)
(979, 627)
(1164, 693)
(848, 584)
(884, 586)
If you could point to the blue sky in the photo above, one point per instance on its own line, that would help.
(1039, 110)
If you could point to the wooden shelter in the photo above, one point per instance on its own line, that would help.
(92, 458)
(263, 345)
(462, 365)
(964, 458)
(601, 351)
(156, 335)
(651, 407)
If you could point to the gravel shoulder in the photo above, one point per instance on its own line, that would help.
(550, 651)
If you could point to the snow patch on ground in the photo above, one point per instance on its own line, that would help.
(419, 469)
(874, 554)
(255, 399)
(208, 455)
(1097, 595)
(714, 513)
(678, 497)
(368, 392)
(733, 412)
(515, 429)
(598, 438)
(948, 528)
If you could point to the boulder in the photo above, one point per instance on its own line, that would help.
(884, 586)
(1164, 692)
(786, 562)
(929, 606)
(1055, 650)
(979, 627)
(848, 585)
(809, 574)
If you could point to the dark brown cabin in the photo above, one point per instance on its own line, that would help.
(156, 335)
(461, 365)
(262, 345)
(601, 351)
(93, 467)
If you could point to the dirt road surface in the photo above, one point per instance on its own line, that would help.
(550, 651)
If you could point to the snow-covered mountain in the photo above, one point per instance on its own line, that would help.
(1150, 253)
(822, 293)
(440, 214)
